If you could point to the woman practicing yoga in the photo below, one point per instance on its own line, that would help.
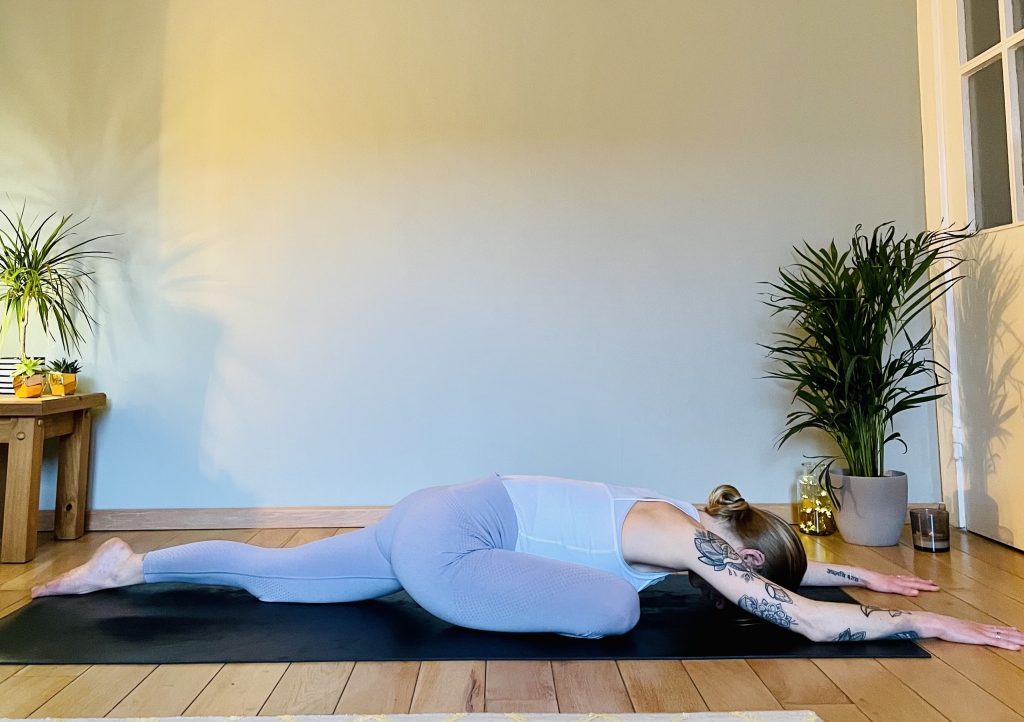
(545, 554)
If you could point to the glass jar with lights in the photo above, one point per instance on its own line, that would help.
(815, 515)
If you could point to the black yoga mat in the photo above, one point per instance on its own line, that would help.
(174, 623)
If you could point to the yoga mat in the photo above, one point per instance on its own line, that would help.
(175, 623)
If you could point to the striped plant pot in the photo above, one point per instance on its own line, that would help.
(7, 366)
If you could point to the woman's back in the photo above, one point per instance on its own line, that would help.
(579, 521)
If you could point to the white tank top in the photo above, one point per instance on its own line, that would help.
(580, 521)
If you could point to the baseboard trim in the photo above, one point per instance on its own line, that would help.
(269, 517)
(225, 518)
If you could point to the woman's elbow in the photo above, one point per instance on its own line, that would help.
(809, 627)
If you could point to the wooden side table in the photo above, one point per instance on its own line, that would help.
(24, 424)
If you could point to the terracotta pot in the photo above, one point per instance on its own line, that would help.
(28, 387)
(872, 509)
(62, 384)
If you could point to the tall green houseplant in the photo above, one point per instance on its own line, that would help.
(45, 274)
(848, 350)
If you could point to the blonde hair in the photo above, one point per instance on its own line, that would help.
(785, 560)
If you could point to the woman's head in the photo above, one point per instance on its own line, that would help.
(785, 560)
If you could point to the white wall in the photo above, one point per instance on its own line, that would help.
(372, 246)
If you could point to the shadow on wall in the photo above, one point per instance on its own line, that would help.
(989, 357)
(81, 133)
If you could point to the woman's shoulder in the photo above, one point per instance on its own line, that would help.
(653, 531)
(668, 511)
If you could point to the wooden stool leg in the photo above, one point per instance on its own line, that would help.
(21, 497)
(73, 479)
(3, 485)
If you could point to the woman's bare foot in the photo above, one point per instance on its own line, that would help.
(113, 565)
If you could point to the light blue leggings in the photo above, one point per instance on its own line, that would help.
(450, 547)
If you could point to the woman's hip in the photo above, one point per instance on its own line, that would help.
(451, 519)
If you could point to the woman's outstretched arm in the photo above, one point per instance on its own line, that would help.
(839, 575)
(691, 547)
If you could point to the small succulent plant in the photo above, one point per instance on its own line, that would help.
(65, 366)
(28, 367)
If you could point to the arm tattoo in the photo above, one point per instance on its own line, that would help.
(844, 575)
(777, 593)
(904, 635)
(766, 610)
(848, 635)
(717, 554)
(892, 612)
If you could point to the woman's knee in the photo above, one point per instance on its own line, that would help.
(616, 611)
(629, 613)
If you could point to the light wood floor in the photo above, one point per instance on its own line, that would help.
(979, 579)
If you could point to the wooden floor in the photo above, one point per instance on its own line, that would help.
(979, 579)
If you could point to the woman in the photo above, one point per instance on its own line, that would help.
(545, 554)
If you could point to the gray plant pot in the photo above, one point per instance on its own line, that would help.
(872, 508)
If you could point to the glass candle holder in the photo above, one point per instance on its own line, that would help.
(929, 528)
(814, 506)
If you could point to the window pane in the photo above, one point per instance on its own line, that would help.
(988, 147)
(1018, 15)
(981, 25)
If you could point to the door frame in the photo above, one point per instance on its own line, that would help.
(945, 182)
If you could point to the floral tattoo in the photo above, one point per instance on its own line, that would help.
(720, 556)
(848, 635)
(717, 554)
(904, 635)
(768, 611)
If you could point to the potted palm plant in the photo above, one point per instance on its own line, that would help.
(849, 352)
(44, 274)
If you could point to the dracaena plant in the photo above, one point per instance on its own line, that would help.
(45, 273)
(848, 349)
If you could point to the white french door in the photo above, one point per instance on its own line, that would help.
(971, 56)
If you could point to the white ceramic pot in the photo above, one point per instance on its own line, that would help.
(872, 509)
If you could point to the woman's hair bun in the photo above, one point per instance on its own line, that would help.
(727, 502)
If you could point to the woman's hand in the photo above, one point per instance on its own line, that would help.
(906, 584)
(953, 629)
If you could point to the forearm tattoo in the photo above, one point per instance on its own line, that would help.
(892, 612)
(777, 593)
(768, 611)
(844, 575)
(848, 635)
(904, 635)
